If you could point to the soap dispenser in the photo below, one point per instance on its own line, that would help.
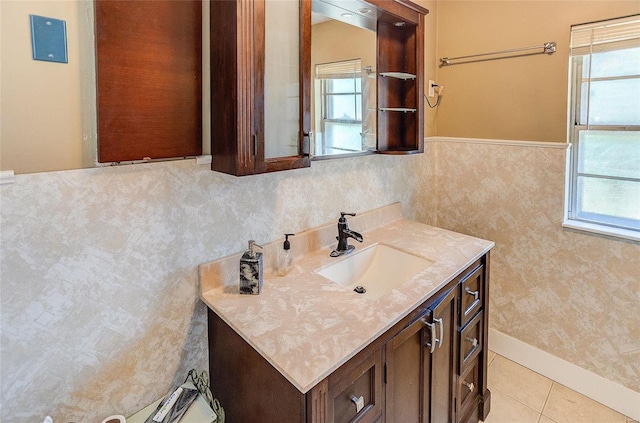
(251, 270)
(285, 258)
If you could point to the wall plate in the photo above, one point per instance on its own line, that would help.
(49, 39)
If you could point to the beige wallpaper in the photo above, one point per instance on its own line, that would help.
(572, 294)
(99, 297)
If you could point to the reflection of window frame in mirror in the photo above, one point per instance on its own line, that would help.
(342, 48)
(327, 88)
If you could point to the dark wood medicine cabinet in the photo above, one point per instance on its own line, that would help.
(239, 95)
(149, 85)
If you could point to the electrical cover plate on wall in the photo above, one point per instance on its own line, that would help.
(49, 39)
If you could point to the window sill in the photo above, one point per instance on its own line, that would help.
(602, 230)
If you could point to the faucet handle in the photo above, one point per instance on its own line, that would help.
(343, 214)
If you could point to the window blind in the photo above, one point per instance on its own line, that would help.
(339, 70)
(614, 34)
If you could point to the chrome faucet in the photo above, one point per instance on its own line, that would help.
(344, 233)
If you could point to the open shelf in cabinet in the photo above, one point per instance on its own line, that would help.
(397, 109)
(400, 86)
(398, 75)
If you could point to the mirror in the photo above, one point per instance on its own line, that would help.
(281, 79)
(343, 69)
(49, 109)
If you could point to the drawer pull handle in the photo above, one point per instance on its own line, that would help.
(476, 294)
(359, 402)
(469, 385)
(473, 341)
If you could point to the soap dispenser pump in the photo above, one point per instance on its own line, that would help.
(251, 270)
(285, 258)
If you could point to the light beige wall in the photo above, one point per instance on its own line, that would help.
(517, 98)
(430, 68)
(333, 41)
(48, 109)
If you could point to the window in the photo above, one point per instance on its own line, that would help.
(339, 90)
(604, 128)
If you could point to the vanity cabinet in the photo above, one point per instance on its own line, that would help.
(431, 366)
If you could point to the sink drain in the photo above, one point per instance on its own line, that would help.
(360, 289)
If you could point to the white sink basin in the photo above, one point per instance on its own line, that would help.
(378, 269)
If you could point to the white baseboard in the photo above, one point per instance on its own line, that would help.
(604, 391)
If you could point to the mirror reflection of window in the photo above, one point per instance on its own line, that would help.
(344, 91)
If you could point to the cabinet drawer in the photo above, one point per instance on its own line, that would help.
(468, 393)
(471, 295)
(362, 385)
(471, 341)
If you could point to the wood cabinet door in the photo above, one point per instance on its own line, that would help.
(441, 360)
(405, 383)
(148, 79)
(239, 91)
(420, 366)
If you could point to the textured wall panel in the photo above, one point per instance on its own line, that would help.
(99, 292)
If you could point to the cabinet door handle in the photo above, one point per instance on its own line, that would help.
(441, 337)
(306, 144)
(476, 294)
(473, 341)
(359, 402)
(469, 385)
(255, 146)
(432, 331)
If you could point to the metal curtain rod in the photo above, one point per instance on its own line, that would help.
(548, 48)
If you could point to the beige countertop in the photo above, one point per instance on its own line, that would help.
(307, 326)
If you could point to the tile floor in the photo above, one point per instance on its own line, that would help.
(519, 395)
